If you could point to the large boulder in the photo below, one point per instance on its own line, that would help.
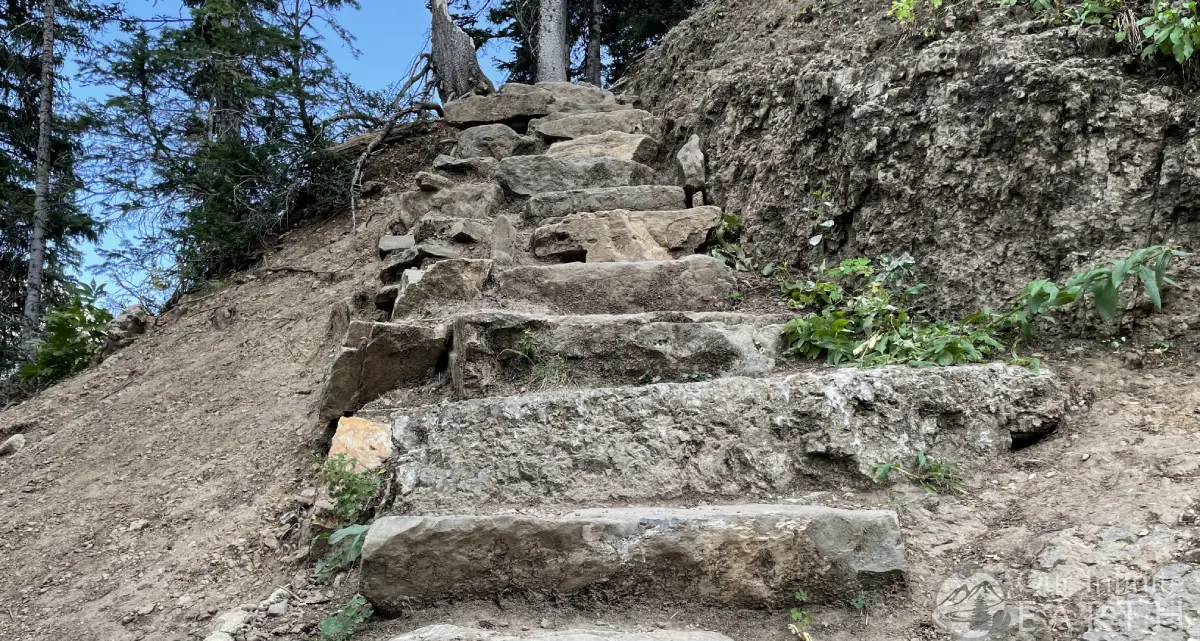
(416, 256)
(695, 283)
(733, 555)
(630, 121)
(755, 438)
(493, 141)
(471, 169)
(641, 197)
(624, 235)
(506, 107)
(471, 200)
(528, 175)
(441, 286)
(635, 147)
(377, 358)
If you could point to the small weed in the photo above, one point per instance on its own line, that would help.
(801, 618)
(859, 603)
(696, 377)
(714, 14)
(933, 475)
(527, 347)
(350, 490)
(551, 373)
(345, 548)
(342, 625)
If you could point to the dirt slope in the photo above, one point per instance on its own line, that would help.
(151, 491)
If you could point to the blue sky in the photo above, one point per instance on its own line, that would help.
(388, 34)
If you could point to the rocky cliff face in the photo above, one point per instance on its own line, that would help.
(997, 151)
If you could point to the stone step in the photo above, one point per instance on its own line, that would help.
(636, 147)
(528, 175)
(565, 126)
(458, 633)
(638, 198)
(497, 352)
(516, 104)
(731, 437)
(695, 283)
(469, 200)
(378, 357)
(624, 235)
(735, 555)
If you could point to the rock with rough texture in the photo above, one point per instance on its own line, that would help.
(624, 235)
(415, 256)
(635, 147)
(479, 169)
(127, 326)
(505, 107)
(457, 229)
(489, 356)
(456, 633)
(731, 437)
(528, 175)
(695, 283)
(691, 168)
(389, 244)
(579, 93)
(732, 555)
(630, 121)
(367, 442)
(442, 285)
(493, 141)
(377, 358)
(471, 200)
(639, 198)
(12, 444)
(504, 241)
(427, 181)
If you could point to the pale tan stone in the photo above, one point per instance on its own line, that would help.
(367, 442)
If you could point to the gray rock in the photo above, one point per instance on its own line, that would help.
(528, 175)
(132, 322)
(456, 633)
(580, 93)
(754, 438)
(377, 358)
(389, 244)
(441, 285)
(415, 256)
(739, 555)
(462, 230)
(506, 107)
(493, 141)
(432, 182)
(471, 200)
(630, 121)
(12, 444)
(504, 241)
(606, 350)
(691, 168)
(277, 609)
(479, 169)
(635, 147)
(640, 198)
(695, 283)
(624, 235)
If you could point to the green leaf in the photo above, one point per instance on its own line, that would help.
(768, 269)
(1151, 285)
(1106, 300)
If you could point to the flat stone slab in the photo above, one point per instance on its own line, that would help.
(528, 175)
(624, 235)
(696, 283)
(727, 438)
(440, 285)
(470, 200)
(490, 347)
(638, 198)
(506, 107)
(456, 633)
(629, 121)
(735, 555)
(493, 141)
(636, 147)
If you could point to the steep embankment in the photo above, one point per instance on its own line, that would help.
(151, 491)
(998, 151)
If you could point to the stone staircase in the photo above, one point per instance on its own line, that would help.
(575, 409)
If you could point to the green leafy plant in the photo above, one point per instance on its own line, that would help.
(345, 547)
(527, 347)
(342, 625)
(74, 334)
(1173, 31)
(933, 475)
(350, 489)
(859, 602)
(801, 617)
(722, 243)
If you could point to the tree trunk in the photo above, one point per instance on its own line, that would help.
(452, 56)
(592, 66)
(552, 41)
(41, 193)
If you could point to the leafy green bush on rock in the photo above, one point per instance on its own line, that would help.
(74, 334)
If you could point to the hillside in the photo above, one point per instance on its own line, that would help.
(588, 427)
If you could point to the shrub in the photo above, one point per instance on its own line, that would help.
(342, 625)
(350, 490)
(74, 334)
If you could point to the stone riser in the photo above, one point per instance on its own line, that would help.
(746, 555)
